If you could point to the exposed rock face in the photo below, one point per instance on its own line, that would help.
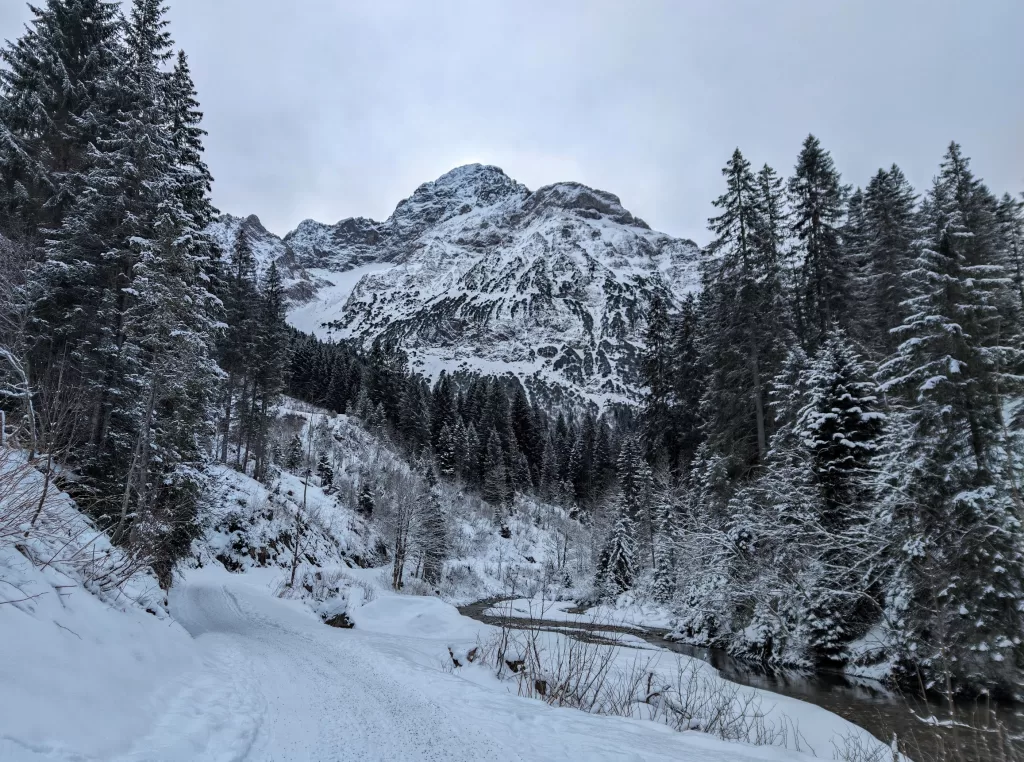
(266, 246)
(476, 272)
(349, 243)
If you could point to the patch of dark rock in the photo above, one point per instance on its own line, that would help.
(340, 620)
(229, 563)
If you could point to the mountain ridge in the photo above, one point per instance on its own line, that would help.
(475, 272)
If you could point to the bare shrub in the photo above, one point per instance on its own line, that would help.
(586, 671)
(46, 527)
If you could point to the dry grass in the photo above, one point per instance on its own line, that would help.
(592, 676)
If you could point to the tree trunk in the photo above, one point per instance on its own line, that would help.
(249, 428)
(227, 418)
(141, 454)
(242, 425)
(755, 371)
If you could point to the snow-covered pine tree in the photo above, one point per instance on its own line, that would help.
(155, 368)
(524, 429)
(666, 542)
(431, 536)
(187, 135)
(443, 408)
(54, 105)
(635, 494)
(446, 453)
(472, 465)
(293, 455)
(238, 342)
(269, 362)
(841, 423)
(840, 426)
(892, 231)
(550, 467)
(616, 569)
(687, 385)
(855, 250)
(957, 594)
(518, 470)
(817, 199)
(1011, 221)
(604, 458)
(495, 479)
(772, 219)
(365, 500)
(657, 376)
(414, 416)
(743, 324)
(325, 471)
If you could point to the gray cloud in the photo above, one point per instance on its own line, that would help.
(330, 109)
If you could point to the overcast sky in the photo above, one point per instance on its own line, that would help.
(329, 109)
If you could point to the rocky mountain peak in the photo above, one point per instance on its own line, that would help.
(457, 192)
(475, 272)
(583, 200)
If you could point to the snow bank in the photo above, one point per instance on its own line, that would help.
(88, 646)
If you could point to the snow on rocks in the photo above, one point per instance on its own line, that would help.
(475, 272)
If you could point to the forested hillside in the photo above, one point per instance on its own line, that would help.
(825, 467)
(838, 410)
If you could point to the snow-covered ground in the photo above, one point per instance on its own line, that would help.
(88, 652)
(97, 664)
(301, 690)
(264, 679)
(624, 613)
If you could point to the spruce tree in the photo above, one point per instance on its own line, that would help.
(657, 376)
(743, 326)
(825, 462)
(431, 536)
(446, 453)
(269, 362)
(958, 589)
(616, 569)
(816, 195)
(892, 232)
(687, 377)
(238, 343)
(1011, 222)
(187, 136)
(414, 417)
(55, 103)
(666, 558)
(365, 501)
(495, 480)
(635, 492)
(841, 423)
(293, 455)
(325, 471)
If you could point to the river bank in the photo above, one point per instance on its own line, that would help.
(925, 729)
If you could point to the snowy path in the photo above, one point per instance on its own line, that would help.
(276, 684)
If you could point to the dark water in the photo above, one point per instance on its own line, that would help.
(982, 733)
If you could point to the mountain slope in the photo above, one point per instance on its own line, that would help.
(476, 272)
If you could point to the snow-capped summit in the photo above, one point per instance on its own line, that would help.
(341, 246)
(584, 201)
(474, 271)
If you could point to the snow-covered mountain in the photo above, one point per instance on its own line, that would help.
(476, 272)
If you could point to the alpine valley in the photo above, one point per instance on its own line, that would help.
(508, 475)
